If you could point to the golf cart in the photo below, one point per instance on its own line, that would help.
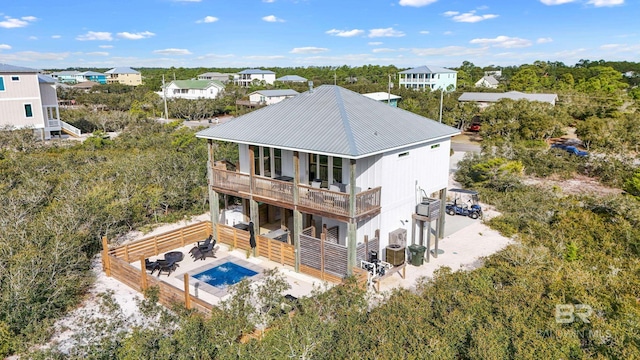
(459, 206)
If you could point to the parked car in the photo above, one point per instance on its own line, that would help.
(475, 127)
(570, 149)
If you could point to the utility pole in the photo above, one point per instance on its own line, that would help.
(164, 96)
(335, 78)
(389, 92)
(441, 96)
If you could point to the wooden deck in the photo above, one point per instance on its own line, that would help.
(311, 200)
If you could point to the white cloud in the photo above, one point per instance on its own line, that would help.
(172, 51)
(447, 33)
(29, 18)
(208, 20)
(187, 0)
(56, 36)
(5, 47)
(556, 2)
(29, 56)
(95, 35)
(449, 51)
(269, 1)
(375, 43)
(97, 53)
(272, 18)
(215, 56)
(468, 17)
(425, 32)
(33, 37)
(503, 42)
(544, 40)
(12, 23)
(135, 36)
(105, 46)
(308, 50)
(416, 3)
(345, 33)
(387, 32)
(602, 3)
(383, 50)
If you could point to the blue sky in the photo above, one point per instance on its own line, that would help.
(256, 33)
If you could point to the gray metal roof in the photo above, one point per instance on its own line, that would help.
(331, 120)
(6, 68)
(122, 70)
(428, 70)
(292, 78)
(489, 79)
(381, 96)
(46, 79)
(66, 72)
(513, 95)
(91, 73)
(256, 71)
(283, 92)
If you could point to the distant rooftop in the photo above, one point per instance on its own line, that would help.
(46, 79)
(275, 93)
(513, 95)
(196, 84)
(428, 70)
(293, 78)
(66, 73)
(6, 68)
(91, 73)
(255, 71)
(122, 70)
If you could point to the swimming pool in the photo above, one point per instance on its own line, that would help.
(225, 274)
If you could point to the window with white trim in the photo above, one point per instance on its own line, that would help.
(28, 110)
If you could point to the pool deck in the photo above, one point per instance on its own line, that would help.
(301, 284)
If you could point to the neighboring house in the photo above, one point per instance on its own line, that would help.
(495, 73)
(270, 97)
(100, 78)
(28, 100)
(85, 85)
(292, 79)
(384, 97)
(245, 77)
(193, 89)
(222, 77)
(484, 99)
(488, 81)
(330, 157)
(429, 77)
(124, 76)
(66, 77)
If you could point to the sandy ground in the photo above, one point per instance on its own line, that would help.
(463, 249)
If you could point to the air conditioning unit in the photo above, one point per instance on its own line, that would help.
(398, 237)
(394, 254)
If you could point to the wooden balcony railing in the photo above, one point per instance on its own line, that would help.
(310, 199)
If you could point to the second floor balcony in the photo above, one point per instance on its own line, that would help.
(309, 199)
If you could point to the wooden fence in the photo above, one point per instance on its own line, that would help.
(158, 244)
(274, 250)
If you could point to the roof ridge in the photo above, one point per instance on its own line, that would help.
(345, 121)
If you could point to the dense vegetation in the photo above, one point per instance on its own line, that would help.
(57, 200)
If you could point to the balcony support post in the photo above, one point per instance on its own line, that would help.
(297, 215)
(352, 226)
(214, 201)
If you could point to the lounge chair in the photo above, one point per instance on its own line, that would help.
(201, 253)
(151, 265)
(166, 265)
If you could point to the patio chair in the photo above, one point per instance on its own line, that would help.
(151, 265)
(200, 245)
(166, 265)
(202, 253)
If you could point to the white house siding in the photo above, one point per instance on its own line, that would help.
(267, 100)
(14, 98)
(401, 178)
(243, 155)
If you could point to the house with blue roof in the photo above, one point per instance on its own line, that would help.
(250, 76)
(428, 78)
(66, 77)
(94, 76)
(342, 174)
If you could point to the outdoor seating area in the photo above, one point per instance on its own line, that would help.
(168, 264)
(204, 249)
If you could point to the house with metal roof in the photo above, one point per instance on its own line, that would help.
(28, 100)
(384, 97)
(428, 77)
(222, 77)
(100, 78)
(292, 79)
(488, 81)
(333, 167)
(247, 77)
(270, 97)
(66, 77)
(484, 99)
(192, 89)
(124, 75)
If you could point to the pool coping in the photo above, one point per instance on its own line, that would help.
(216, 291)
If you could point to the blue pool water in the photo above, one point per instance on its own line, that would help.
(224, 275)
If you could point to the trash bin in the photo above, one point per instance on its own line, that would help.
(417, 254)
